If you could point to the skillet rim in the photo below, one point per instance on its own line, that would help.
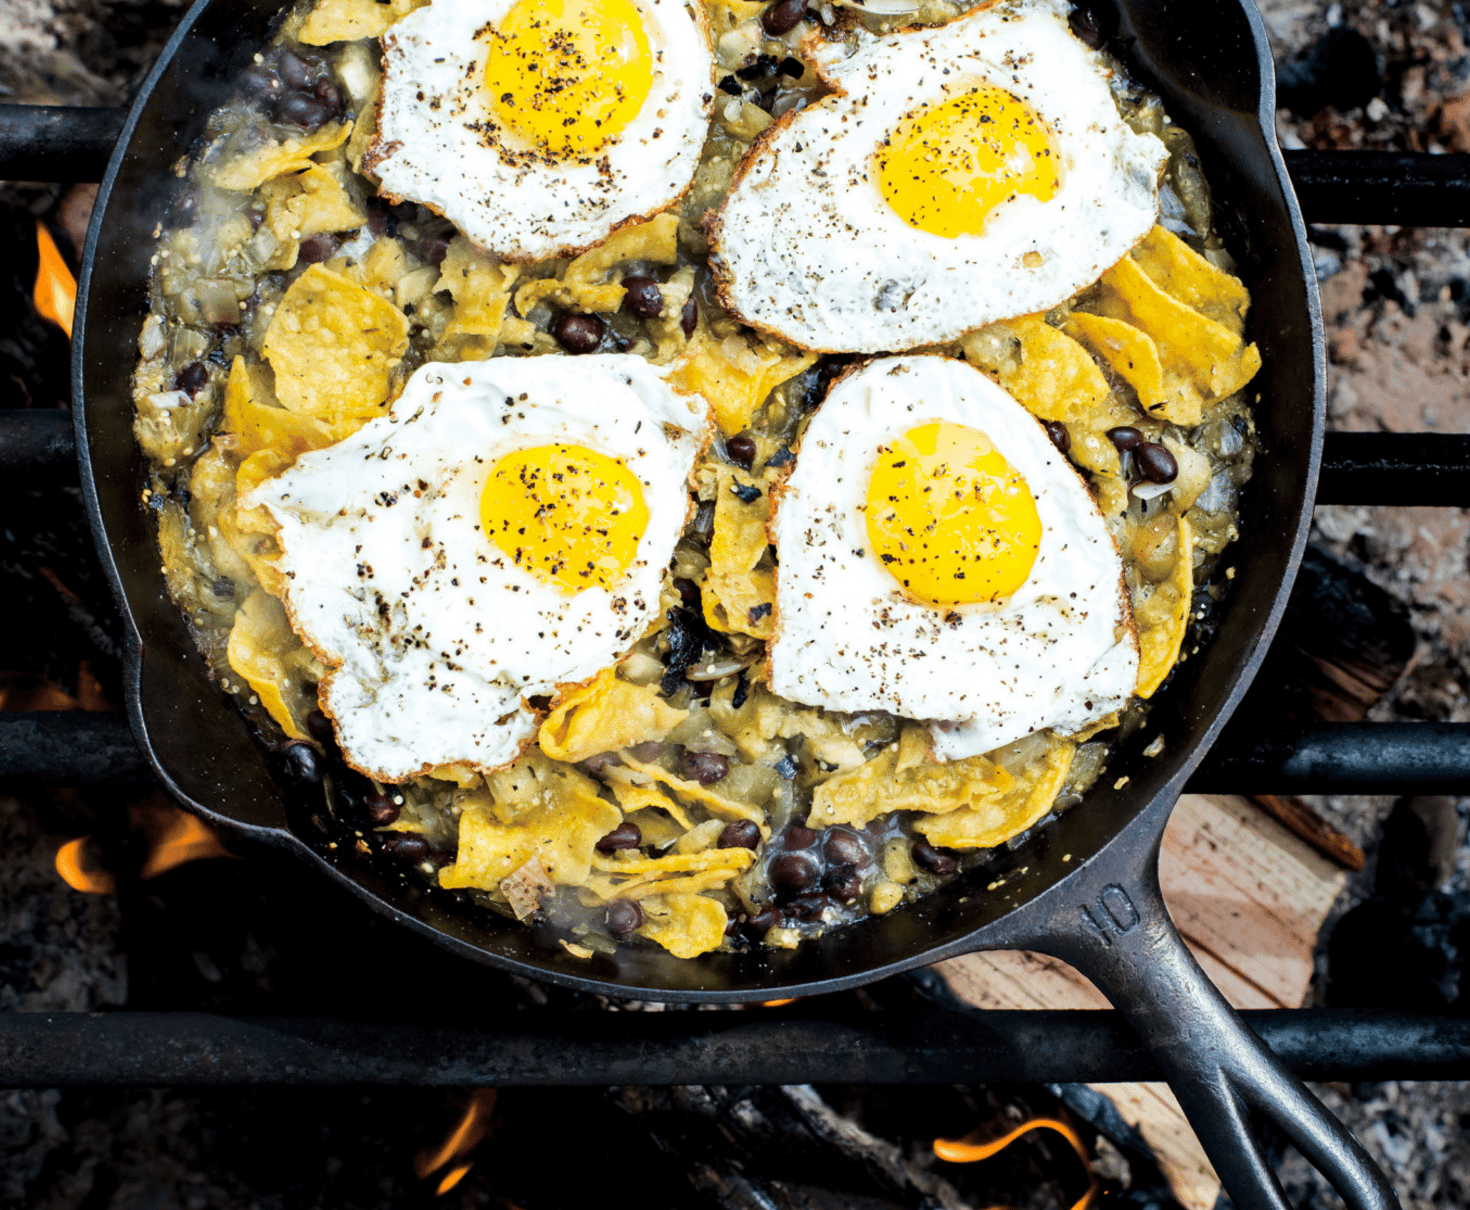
(1141, 829)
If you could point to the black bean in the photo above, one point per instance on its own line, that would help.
(259, 80)
(844, 848)
(600, 761)
(1156, 462)
(381, 809)
(320, 727)
(1060, 438)
(786, 766)
(295, 70)
(643, 297)
(808, 907)
(578, 333)
(783, 16)
(688, 591)
(378, 217)
(302, 763)
(742, 834)
(794, 873)
(794, 68)
(317, 248)
(1086, 27)
(327, 92)
(649, 749)
(798, 837)
(704, 767)
(303, 112)
(688, 317)
(192, 379)
(762, 922)
(1126, 437)
(843, 883)
(624, 836)
(255, 212)
(223, 587)
(742, 449)
(436, 248)
(406, 846)
(936, 861)
(624, 916)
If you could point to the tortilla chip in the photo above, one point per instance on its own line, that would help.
(752, 724)
(647, 799)
(532, 783)
(247, 173)
(583, 287)
(307, 203)
(604, 715)
(735, 374)
(739, 597)
(480, 286)
(685, 925)
(253, 424)
(1161, 612)
(1134, 357)
(905, 777)
(260, 640)
(348, 20)
(711, 800)
(1183, 274)
(562, 836)
(334, 346)
(995, 820)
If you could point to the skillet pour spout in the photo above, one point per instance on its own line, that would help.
(1083, 888)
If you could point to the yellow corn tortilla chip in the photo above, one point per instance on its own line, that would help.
(905, 777)
(711, 800)
(333, 346)
(1134, 357)
(533, 782)
(994, 821)
(675, 863)
(685, 925)
(254, 424)
(583, 286)
(480, 287)
(247, 173)
(1215, 358)
(648, 798)
(735, 374)
(307, 203)
(604, 715)
(739, 597)
(1161, 612)
(562, 836)
(1182, 273)
(348, 20)
(261, 637)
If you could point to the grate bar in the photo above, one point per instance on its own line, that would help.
(69, 749)
(57, 142)
(34, 439)
(925, 1047)
(1402, 188)
(1396, 469)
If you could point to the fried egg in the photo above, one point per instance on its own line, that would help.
(539, 126)
(506, 528)
(941, 560)
(956, 176)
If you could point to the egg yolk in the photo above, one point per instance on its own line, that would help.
(950, 518)
(948, 165)
(568, 75)
(570, 516)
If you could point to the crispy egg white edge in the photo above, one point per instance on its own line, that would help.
(366, 561)
(554, 207)
(807, 247)
(847, 637)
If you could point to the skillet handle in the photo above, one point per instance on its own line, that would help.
(1222, 1073)
(57, 142)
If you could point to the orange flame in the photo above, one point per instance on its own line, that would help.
(174, 837)
(56, 289)
(778, 1003)
(69, 865)
(969, 1149)
(463, 1139)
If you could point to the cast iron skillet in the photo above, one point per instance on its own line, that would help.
(1084, 889)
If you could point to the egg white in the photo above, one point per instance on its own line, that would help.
(438, 141)
(435, 640)
(807, 247)
(1061, 652)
